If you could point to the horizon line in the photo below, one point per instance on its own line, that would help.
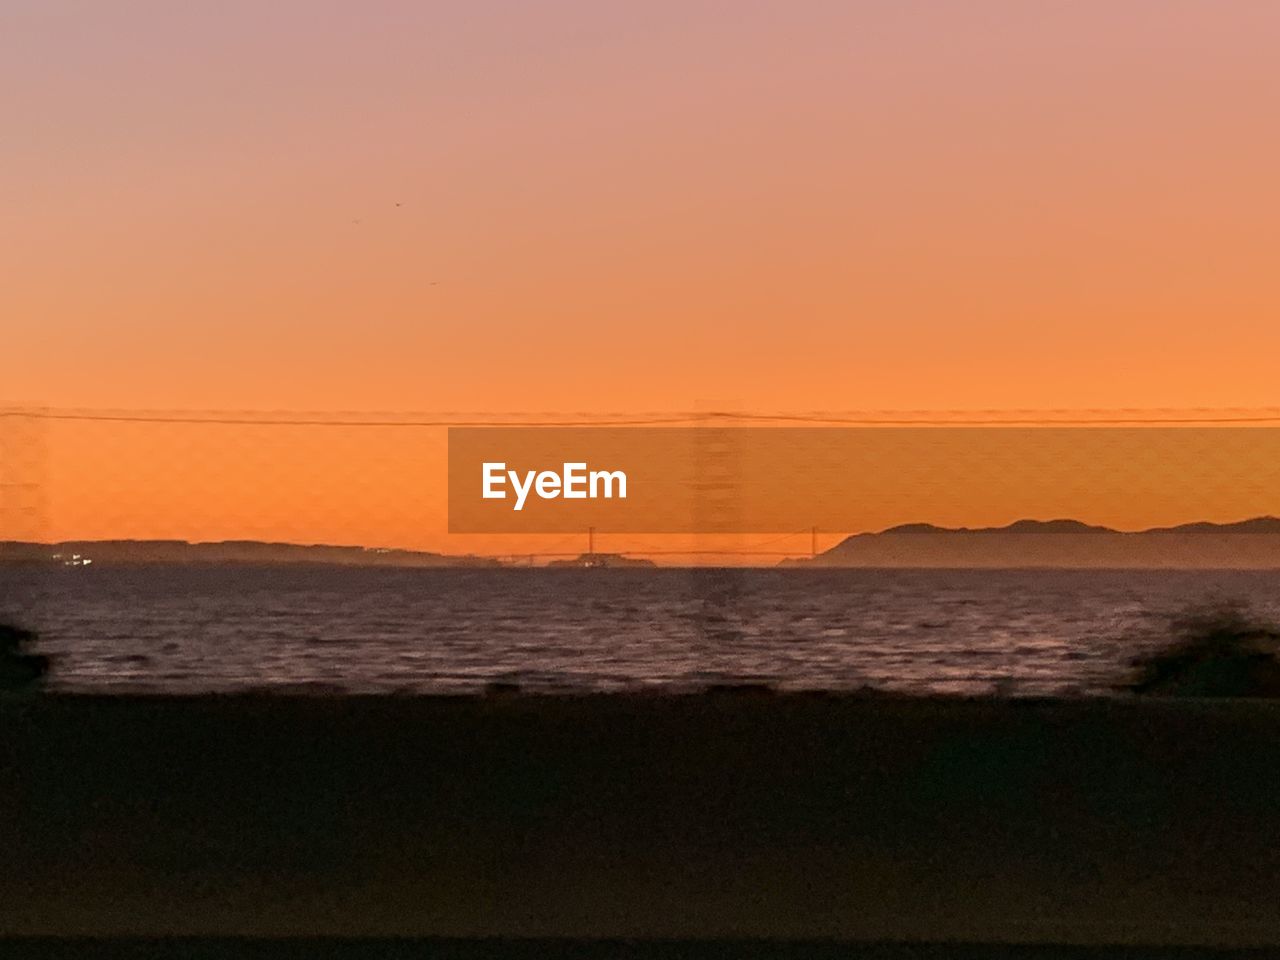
(752, 550)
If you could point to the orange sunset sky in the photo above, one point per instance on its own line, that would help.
(607, 207)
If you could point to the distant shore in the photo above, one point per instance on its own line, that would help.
(1252, 544)
(732, 815)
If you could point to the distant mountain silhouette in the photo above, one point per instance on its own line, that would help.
(1018, 526)
(1256, 525)
(78, 553)
(1247, 544)
(921, 528)
(1053, 526)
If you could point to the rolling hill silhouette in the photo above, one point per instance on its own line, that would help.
(73, 552)
(1246, 544)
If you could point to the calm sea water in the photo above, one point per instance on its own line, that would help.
(233, 628)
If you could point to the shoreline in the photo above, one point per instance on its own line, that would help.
(482, 948)
(741, 816)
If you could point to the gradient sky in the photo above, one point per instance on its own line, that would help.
(603, 206)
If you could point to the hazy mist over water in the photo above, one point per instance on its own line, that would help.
(203, 628)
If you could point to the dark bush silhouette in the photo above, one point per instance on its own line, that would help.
(19, 668)
(1216, 651)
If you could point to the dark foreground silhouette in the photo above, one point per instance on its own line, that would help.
(20, 669)
(1222, 650)
(734, 816)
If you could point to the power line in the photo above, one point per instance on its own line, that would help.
(266, 420)
(833, 419)
(1206, 416)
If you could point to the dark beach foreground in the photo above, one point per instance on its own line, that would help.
(748, 817)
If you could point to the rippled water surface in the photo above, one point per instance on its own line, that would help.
(227, 628)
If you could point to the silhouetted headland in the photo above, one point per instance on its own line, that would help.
(1249, 544)
(77, 552)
